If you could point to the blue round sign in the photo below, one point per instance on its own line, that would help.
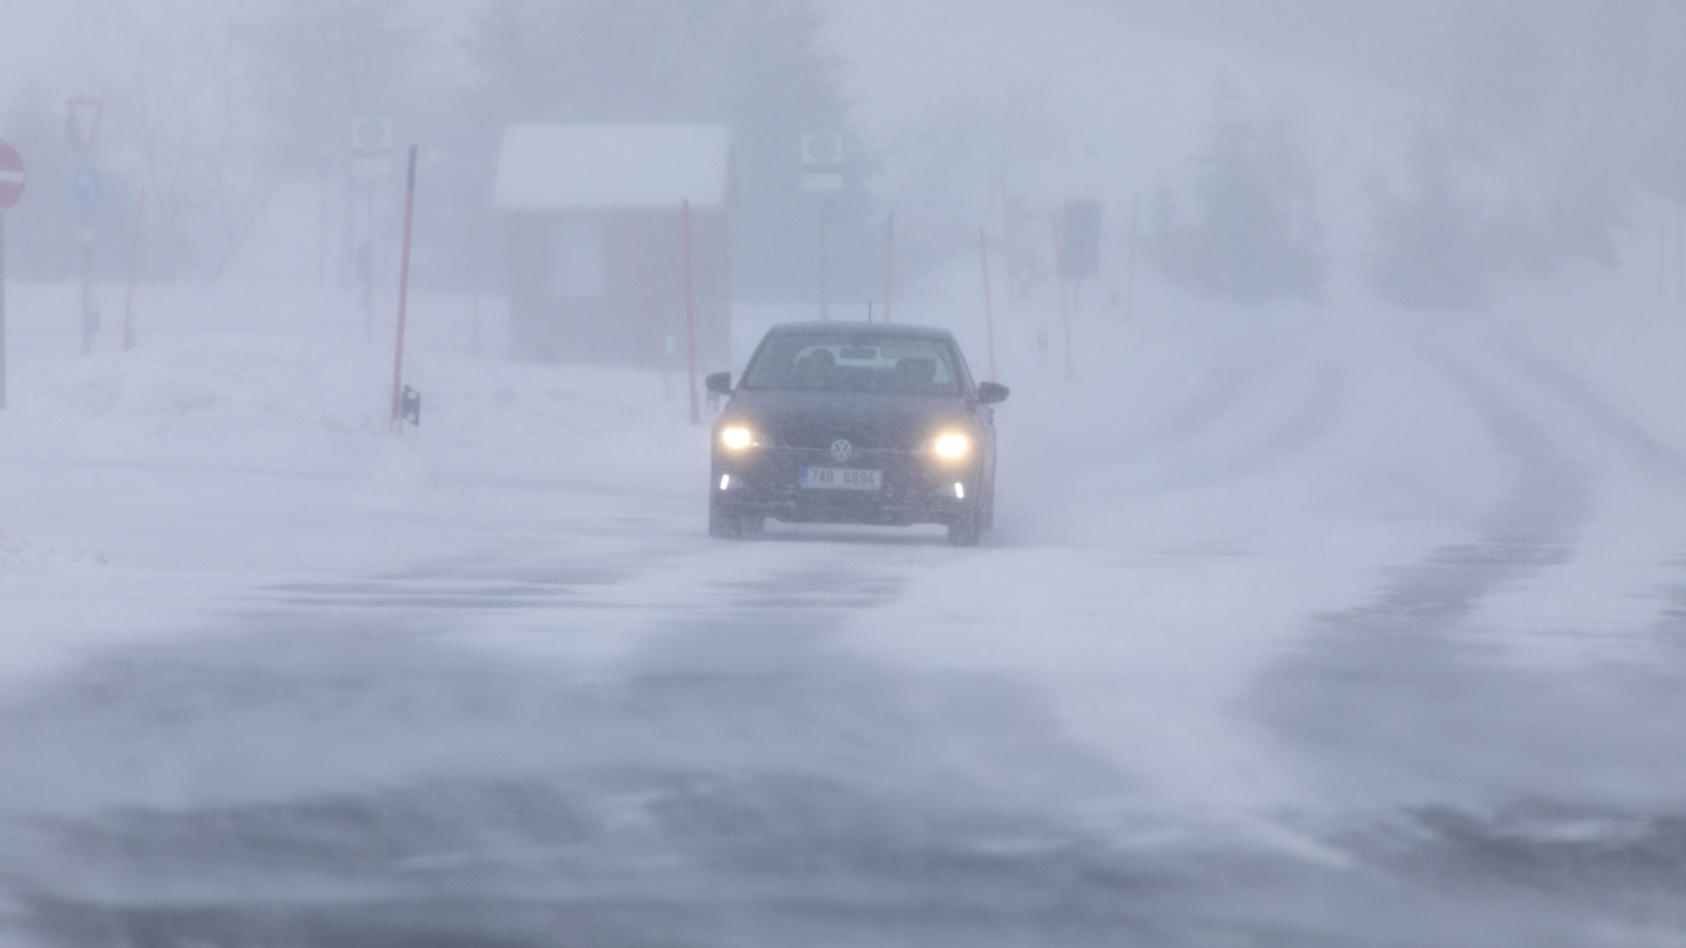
(87, 188)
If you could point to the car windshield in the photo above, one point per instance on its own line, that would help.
(850, 362)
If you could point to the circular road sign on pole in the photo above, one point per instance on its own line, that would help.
(87, 188)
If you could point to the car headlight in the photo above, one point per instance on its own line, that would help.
(737, 437)
(952, 446)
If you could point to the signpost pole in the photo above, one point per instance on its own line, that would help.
(889, 264)
(82, 122)
(129, 297)
(825, 258)
(88, 286)
(989, 308)
(403, 289)
(690, 317)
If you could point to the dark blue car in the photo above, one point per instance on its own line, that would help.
(861, 423)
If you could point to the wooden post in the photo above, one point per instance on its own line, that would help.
(691, 318)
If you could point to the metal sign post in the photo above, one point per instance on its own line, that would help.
(889, 264)
(822, 172)
(87, 193)
(81, 129)
(11, 191)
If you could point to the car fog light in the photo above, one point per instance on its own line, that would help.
(725, 481)
(959, 491)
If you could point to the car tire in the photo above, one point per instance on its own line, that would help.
(965, 530)
(724, 524)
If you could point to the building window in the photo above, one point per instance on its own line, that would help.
(577, 259)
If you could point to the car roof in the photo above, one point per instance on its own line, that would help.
(846, 328)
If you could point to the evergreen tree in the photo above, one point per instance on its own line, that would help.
(322, 63)
(1430, 252)
(1254, 237)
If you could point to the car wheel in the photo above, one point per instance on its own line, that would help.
(751, 526)
(964, 530)
(988, 502)
(724, 524)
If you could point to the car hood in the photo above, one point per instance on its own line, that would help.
(869, 419)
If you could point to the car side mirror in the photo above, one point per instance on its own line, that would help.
(720, 383)
(991, 393)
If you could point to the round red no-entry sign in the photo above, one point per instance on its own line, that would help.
(11, 176)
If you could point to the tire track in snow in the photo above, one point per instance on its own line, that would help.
(1662, 462)
(1225, 387)
(1387, 688)
(1477, 781)
(1655, 456)
(1314, 421)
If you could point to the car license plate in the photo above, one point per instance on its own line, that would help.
(840, 478)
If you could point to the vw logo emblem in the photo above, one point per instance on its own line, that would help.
(842, 450)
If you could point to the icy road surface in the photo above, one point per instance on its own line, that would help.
(1314, 635)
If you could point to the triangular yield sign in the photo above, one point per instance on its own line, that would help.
(82, 122)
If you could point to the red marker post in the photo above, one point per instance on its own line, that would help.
(11, 191)
(404, 289)
(989, 308)
(690, 316)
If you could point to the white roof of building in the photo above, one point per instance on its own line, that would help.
(599, 167)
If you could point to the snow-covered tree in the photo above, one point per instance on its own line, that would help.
(1429, 249)
(1253, 236)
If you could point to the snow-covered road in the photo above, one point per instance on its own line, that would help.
(1293, 633)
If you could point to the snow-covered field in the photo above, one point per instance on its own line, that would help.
(1356, 595)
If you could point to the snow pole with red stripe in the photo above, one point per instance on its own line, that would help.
(403, 290)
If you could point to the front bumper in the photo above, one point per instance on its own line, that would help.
(916, 488)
